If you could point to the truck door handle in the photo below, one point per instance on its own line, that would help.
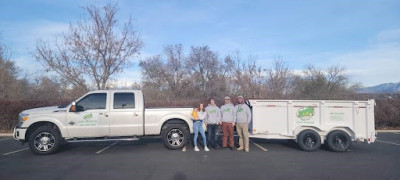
(105, 114)
(135, 114)
(71, 123)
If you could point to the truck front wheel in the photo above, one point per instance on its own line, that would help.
(175, 136)
(309, 140)
(44, 140)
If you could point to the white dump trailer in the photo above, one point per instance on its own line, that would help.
(313, 122)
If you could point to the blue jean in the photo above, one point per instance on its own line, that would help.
(212, 134)
(198, 127)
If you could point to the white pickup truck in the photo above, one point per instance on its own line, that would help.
(102, 115)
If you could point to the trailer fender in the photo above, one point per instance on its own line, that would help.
(299, 129)
(345, 129)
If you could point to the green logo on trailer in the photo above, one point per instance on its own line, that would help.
(305, 113)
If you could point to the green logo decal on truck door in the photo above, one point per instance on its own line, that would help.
(305, 113)
(91, 119)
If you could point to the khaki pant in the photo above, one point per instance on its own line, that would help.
(243, 131)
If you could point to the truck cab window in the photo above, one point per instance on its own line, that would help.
(124, 100)
(92, 101)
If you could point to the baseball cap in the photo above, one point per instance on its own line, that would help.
(240, 97)
(227, 98)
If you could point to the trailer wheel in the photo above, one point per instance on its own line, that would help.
(309, 140)
(44, 140)
(338, 141)
(175, 136)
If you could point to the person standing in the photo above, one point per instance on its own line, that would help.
(228, 122)
(243, 118)
(198, 116)
(213, 120)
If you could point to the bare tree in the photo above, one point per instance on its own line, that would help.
(207, 71)
(248, 77)
(166, 75)
(329, 83)
(12, 85)
(279, 80)
(94, 48)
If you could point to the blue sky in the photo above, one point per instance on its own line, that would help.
(362, 35)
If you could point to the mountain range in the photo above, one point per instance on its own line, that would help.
(381, 88)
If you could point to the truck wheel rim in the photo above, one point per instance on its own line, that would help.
(340, 141)
(44, 141)
(310, 140)
(175, 137)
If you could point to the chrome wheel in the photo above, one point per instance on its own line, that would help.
(175, 137)
(44, 141)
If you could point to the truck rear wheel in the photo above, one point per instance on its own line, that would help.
(175, 136)
(309, 140)
(338, 141)
(44, 140)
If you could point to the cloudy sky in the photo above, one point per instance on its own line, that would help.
(362, 35)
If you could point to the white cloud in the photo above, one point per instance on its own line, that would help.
(379, 63)
(21, 37)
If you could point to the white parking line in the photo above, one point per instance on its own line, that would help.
(388, 142)
(5, 154)
(101, 150)
(5, 139)
(259, 146)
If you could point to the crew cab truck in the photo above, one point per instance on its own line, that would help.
(313, 122)
(102, 115)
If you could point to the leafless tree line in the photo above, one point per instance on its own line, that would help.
(202, 73)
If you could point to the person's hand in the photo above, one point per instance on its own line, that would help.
(205, 123)
(233, 124)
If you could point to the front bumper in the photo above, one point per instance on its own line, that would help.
(19, 133)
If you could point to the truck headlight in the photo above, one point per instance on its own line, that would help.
(22, 118)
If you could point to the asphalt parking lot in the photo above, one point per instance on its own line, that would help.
(148, 159)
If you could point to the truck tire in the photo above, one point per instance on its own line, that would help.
(175, 136)
(309, 140)
(338, 141)
(44, 140)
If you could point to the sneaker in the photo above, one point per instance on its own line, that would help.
(206, 149)
(239, 149)
(184, 149)
(196, 149)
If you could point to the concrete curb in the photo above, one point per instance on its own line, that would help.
(388, 131)
(5, 134)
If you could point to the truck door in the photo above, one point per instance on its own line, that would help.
(90, 118)
(125, 114)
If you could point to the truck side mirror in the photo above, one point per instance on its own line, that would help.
(73, 107)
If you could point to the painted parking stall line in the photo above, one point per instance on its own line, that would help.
(386, 142)
(108, 147)
(12, 152)
(259, 146)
